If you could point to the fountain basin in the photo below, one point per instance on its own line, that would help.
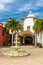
(17, 53)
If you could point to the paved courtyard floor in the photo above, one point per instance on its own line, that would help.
(35, 58)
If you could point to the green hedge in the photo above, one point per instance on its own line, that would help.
(5, 44)
(39, 45)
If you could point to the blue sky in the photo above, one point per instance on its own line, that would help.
(20, 8)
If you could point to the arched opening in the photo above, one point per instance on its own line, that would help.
(28, 40)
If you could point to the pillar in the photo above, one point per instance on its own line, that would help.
(12, 39)
(23, 41)
(35, 40)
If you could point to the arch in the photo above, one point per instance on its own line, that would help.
(24, 33)
(26, 36)
(28, 40)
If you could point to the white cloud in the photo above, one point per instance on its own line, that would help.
(36, 13)
(39, 3)
(6, 1)
(27, 7)
(31, 6)
(24, 7)
(2, 7)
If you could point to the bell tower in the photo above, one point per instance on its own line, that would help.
(22, 22)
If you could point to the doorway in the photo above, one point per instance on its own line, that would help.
(28, 40)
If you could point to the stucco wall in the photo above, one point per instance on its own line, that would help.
(40, 37)
(3, 36)
(28, 22)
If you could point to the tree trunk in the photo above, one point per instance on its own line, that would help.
(35, 40)
(12, 39)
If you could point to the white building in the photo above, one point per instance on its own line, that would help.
(40, 38)
(27, 35)
(29, 22)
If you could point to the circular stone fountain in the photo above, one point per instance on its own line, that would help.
(16, 50)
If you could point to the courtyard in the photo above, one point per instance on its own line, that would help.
(35, 57)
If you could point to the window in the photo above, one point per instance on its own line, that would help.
(3, 33)
(28, 28)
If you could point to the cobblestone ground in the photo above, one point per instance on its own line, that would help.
(35, 58)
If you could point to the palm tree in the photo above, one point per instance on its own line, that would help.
(38, 27)
(41, 29)
(13, 25)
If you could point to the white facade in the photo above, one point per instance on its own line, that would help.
(29, 22)
(40, 38)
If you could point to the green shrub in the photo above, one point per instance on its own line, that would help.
(5, 44)
(39, 45)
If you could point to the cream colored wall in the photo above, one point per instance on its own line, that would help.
(40, 37)
(29, 22)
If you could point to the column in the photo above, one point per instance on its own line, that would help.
(23, 41)
(35, 40)
(12, 39)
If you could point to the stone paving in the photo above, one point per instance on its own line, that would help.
(35, 58)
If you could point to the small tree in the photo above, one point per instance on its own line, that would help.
(38, 26)
(14, 25)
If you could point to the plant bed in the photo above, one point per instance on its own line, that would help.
(16, 53)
